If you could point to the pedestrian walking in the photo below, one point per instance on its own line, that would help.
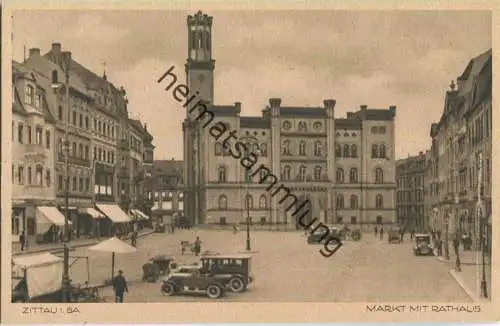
(120, 286)
(412, 234)
(440, 246)
(133, 238)
(197, 246)
(235, 229)
(456, 246)
(381, 233)
(376, 231)
(22, 240)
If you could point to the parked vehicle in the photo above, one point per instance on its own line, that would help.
(317, 238)
(150, 272)
(238, 266)
(423, 245)
(194, 279)
(394, 235)
(163, 262)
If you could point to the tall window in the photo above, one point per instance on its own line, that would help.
(80, 150)
(286, 172)
(30, 177)
(302, 148)
(286, 147)
(262, 201)
(302, 126)
(20, 134)
(248, 202)
(317, 173)
(379, 201)
(374, 151)
(338, 151)
(28, 131)
(317, 148)
(48, 178)
(347, 151)
(353, 175)
(340, 175)
(379, 175)
(47, 139)
(354, 201)
(340, 201)
(38, 135)
(302, 173)
(222, 173)
(354, 151)
(20, 175)
(38, 100)
(222, 202)
(29, 95)
(38, 175)
(381, 150)
(218, 149)
(60, 113)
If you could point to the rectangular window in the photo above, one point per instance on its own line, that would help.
(80, 120)
(80, 184)
(87, 184)
(60, 113)
(80, 151)
(73, 149)
(29, 176)
(60, 182)
(38, 100)
(29, 134)
(29, 95)
(86, 152)
(20, 175)
(47, 139)
(38, 135)
(20, 134)
(74, 184)
(48, 178)
(74, 118)
(86, 122)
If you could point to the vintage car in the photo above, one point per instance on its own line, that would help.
(194, 279)
(423, 245)
(236, 265)
(394, 235)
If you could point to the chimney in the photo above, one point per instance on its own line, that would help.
(274, 102)
(363, 107)
(420, 153)
(392, 109)
(34, 52)
(350, 115)
(237, 105)
(145, 126)
(329, 103)
(460, 83)
(56, 47)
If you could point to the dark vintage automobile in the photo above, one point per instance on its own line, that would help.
(394, 235)
(193, 279)
(163, 262)
(423, 245)
(238, 266)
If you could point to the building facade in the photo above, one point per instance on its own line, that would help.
(33, 148)
(345, 167)
(97, 125)
(410, 194)
(462, 140)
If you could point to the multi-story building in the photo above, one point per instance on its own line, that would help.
(345, 167)
(97, 125)
(33, 148)
(461, 135)
(431, 184)
(165, 191)
(410, 199)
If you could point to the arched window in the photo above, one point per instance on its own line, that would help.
(340, 175)
(374, 151)
(248, 202)
(262, 201)
(381, 150)
(379, 201)
(338, 151)
(346, 151)
(222, 202)
(353, 175)
(286, 147)
(302, 126)
(354, 151)
(263, 149)
(317, 148)
(302, 148)
(302, 173)
(340, 201)
(354, 201)
(222, 173)
(379, 175)
(317, 173)
(218, 149)
(286, 173)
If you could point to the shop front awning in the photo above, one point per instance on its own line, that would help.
(52, 214)
(139, 215)
(92, 212)
(114, 213)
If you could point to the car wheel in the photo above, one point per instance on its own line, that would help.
(168, 289)
(214, 291)
(236, 284)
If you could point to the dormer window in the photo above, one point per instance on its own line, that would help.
(29, 95)
(38, 100)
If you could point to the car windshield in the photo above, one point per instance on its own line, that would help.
(423, 240)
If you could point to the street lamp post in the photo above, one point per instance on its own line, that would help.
(248, 247)
(446, 241)
(56, 85)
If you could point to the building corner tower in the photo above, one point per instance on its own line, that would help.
(199, 79)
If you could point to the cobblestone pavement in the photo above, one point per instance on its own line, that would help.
(287, 269)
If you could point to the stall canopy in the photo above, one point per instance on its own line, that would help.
(48, 216)
(114, 246)
(139, 215)
(114, 213)
(92, 212)
(26, 261)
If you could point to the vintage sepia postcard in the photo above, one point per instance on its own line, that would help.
(218, 162)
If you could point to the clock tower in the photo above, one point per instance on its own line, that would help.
(199, 79)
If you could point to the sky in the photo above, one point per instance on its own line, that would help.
(377, 58)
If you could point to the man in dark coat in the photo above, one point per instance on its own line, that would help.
(120, 286)
(197, 246)
(456, 246)
(22, 240)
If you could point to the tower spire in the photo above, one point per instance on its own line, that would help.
(104, 70)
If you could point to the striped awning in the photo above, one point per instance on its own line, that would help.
(91, 211)
(139, 215)
(114, 213)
